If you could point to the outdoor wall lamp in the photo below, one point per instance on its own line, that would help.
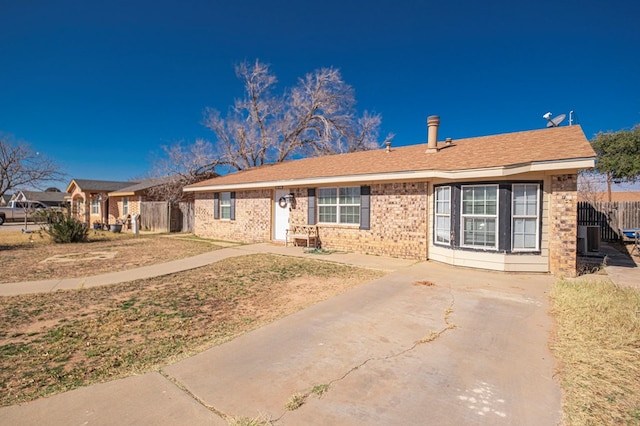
(288, 200)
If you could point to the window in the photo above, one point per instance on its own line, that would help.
(443, 215)
(525, 214)
(503, 216)
(479, 215)
(125, 205)
(339, 205)
(95, 206)
(225, 205)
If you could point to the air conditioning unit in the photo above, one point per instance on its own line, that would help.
(588, 239)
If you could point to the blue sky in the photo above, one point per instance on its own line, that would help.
(100, 85)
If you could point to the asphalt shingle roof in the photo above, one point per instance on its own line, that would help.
(510, 149)
(101, 185)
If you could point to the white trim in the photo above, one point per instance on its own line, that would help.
(489, 172)
(514, 217)
(495, 217)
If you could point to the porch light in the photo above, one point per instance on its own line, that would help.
(291, 200)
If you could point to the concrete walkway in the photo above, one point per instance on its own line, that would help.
(425, 344)
(28, 287)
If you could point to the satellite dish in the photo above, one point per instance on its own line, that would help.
(555, 121)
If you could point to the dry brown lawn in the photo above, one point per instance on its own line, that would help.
(53, 342)
(31, 257)
(597, 344)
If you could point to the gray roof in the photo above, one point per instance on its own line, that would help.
(45, 197)
(101, 185)
(144, 184)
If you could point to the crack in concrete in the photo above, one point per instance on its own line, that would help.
(428, 339)
(199, 400)
(434, 335)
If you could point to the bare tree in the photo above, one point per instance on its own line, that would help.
(182, 164)
(21, 166)
(590, 186)
(316, 117)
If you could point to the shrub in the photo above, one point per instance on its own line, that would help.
(67, 229)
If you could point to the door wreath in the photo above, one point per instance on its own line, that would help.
(282, 202)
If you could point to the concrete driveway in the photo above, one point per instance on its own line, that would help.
(469, 349)
(427, 344)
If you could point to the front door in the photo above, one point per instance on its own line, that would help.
(281, 216)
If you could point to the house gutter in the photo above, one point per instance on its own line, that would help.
(489, 172)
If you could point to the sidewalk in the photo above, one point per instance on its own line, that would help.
(28, 287)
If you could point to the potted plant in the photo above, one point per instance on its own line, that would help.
(97, 225)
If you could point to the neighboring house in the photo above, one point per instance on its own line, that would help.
(505, 202)
(90, 203)
(51, 199)
(127, 200)
(108, 201)
(4, 199)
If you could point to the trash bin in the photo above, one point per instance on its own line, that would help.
(135, 222)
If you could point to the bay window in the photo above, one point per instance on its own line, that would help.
(479, 215)
(443, 215)
(525, 214)
(504, 217)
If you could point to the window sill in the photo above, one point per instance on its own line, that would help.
(339, 225)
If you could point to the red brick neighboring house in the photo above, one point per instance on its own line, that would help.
(89, 200)
(109, 201)
(504, 202)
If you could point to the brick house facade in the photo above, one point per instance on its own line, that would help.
(490, 202)
(107, 202)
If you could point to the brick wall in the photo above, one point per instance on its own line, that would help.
(252, 223)
(398, 223)
(563, 225)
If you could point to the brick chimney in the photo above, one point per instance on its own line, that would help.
(433, 122)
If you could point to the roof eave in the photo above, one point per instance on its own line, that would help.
(500, 171)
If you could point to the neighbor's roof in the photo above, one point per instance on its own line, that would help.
(138, 186)
(97, 185)
(52, 197)
(498, 155)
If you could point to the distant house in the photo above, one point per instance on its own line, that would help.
(109, 201)
(49, 198)
(505, 202)
(4, 199)
(89, 200)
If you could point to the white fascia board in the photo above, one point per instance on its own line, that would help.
(581, 163)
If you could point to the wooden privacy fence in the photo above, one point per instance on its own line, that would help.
(162, 216)
(610, 217)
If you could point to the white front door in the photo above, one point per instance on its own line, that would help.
(281, 216)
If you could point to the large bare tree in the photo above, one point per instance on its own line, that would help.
(182, 164)
(22, 167)
(315, 117)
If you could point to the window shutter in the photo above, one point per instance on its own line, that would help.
(365, 221)
(216, 205)
(232, 213)
(311, 209)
